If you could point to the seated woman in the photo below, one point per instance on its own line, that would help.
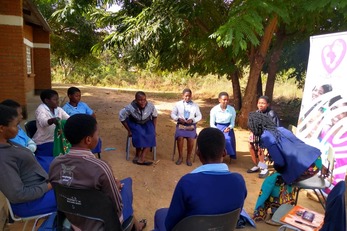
(140, 118)
(292, 158)
(222, 116)
(22, 179)
(21, 138)
(273, 193)
(187, 114)
(47, 116)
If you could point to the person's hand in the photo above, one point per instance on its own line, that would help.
(130, 134)
(119, 185)
(182, 121)
(49, 185)
(53, 120)
(190, 121)
(227, 130)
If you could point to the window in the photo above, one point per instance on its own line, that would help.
(28, 56)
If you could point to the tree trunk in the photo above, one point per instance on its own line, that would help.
(257, 63)
(259, 87)
(273, 64)
(237, 100)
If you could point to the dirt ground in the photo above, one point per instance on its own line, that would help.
(153, 186)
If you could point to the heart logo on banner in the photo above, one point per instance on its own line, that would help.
(333, 54)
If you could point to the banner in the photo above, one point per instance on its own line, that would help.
(323, 115)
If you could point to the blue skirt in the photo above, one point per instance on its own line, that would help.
(185, 133)
(230, 141)
(143, 135)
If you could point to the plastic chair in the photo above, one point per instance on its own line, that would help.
(174, 150)
(127, 149)
(88, 203)
(25, 219)
(220, 222)
(30, 128)
(319, 181)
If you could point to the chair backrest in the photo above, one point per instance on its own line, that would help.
(218, 222)
(331, 165)
(335, 213)
(88, 203)
(30, 128)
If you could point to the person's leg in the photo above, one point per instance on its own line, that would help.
(127, 197)
(262, 165)
(45, 204)
(159, 219)
(137, 154)
(180, 142)
(255, 168)
(190, 146)
(143, 154)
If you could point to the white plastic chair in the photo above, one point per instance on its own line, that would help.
(26, 219)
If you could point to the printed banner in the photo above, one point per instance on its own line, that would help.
(323, 115)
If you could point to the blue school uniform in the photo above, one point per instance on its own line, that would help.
(82, 108)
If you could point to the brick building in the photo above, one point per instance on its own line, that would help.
(24, 51)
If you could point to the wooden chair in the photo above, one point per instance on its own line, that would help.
(88, 203)
(220, 222)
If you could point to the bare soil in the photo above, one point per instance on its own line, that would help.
(153, 186)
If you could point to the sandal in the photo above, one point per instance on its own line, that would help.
(144, 222)
(179, 161)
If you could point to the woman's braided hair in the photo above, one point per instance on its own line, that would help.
(258, 122)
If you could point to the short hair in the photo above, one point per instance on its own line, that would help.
(139, 93)
(186, 90)
(10, 103)
(47, 94)
(7, 114)
(72, 90)
(78, 127)
(211, 143)
(264, 97)
(223, 93)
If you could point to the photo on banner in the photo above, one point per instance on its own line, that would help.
(323, 114)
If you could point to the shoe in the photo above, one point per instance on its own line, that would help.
(144, 163)
(179, 161)
(253, 169)
(189, 163)
(264, 173)
(135, 160)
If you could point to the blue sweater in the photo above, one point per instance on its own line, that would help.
(206, 193)
(291, 156)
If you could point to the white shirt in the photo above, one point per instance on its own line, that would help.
(45, 132)
(192, 109)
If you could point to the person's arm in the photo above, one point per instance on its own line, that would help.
(174, 113)
(213, 118)
(123, 115)
(233, 117)
(176, 210)
(62, 114)
(14, 189)
(31, 145)
(265, 190)
(89, 111)
(43, 117)
(198, 115)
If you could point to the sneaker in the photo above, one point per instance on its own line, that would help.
(264, 173)
(253, 169)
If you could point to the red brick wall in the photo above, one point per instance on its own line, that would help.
(11, 55)
(42, 63)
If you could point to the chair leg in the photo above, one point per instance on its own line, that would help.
(196, 147)
(297, 196)
(99, 155)
(321, 197)
(154, 153)
(127, 148)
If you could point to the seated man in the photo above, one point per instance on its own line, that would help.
(209, 189)
(74, 169)
(22, 180)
